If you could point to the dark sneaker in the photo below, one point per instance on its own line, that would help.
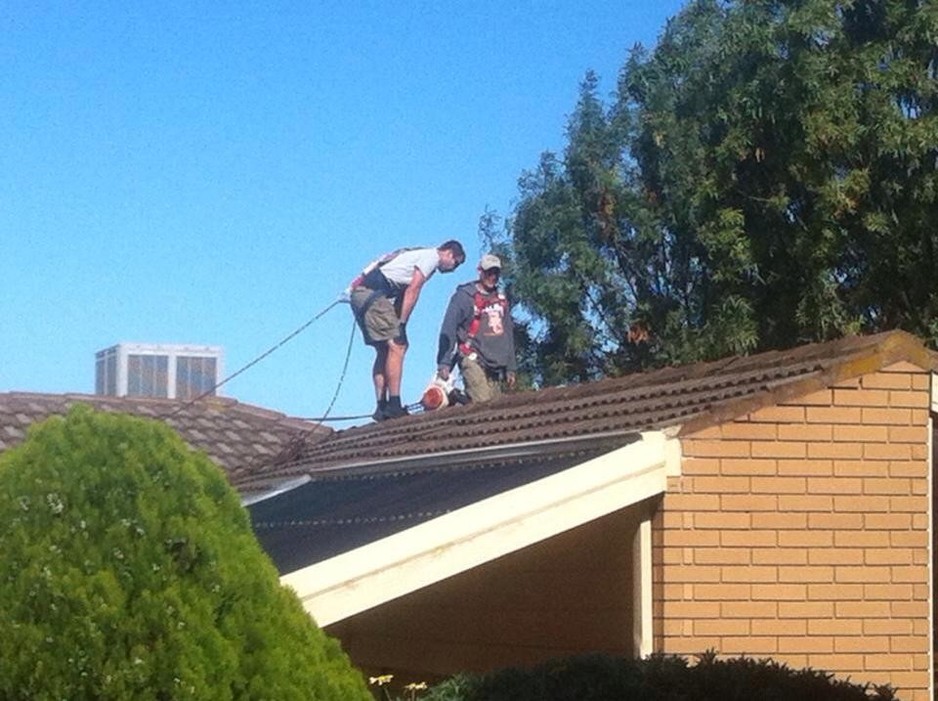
(381, 413)
(395, 412)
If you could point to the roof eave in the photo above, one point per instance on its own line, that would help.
(593, 442)
(368, 576)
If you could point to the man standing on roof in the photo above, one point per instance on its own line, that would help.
(383, 297)
(478, 334)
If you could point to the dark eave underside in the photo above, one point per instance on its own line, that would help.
(332, 514)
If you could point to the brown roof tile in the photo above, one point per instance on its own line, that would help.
(691, 397)
(238, 437)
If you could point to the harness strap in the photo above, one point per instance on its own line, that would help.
(371, 275)
(479, 304)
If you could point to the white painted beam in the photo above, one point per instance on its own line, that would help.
(360, 579)
(642, 609)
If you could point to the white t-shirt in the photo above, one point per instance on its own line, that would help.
(400, 270)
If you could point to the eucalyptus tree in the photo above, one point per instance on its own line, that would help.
(765, 176)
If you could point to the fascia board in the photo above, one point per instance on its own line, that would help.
(281, 489)
(386, 569)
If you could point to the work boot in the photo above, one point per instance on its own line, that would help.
(395, 412)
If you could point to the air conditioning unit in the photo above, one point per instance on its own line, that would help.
(157, 370)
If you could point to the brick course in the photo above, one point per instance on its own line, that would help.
(803, 533)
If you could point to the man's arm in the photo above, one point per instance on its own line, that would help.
(452, 320)
(411, 295)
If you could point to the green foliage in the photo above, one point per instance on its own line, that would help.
(452, 689)
(767, 176)
(658, 678)
(130, 572)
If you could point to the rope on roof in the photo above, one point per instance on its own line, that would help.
(281, 343)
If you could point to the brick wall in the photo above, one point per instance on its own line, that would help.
(800, 532)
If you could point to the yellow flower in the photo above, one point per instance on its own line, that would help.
(382, 680)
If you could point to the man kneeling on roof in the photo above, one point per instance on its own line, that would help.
(383, 297)
(478, 334)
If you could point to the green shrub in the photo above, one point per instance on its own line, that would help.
(658, 678)
(128, 570)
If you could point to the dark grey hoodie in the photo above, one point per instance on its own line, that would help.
(494, 342)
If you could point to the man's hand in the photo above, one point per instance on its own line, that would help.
(443, 372)
(510, 380)
(401, 338)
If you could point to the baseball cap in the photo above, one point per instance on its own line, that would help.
(490, 261)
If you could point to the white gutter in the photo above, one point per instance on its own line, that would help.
(280, 489)
(373, 574)
(474, 455)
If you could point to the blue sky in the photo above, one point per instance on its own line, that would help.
(215, 173)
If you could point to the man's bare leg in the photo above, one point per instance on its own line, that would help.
(379, 373)
(394, 371)
(394, 368)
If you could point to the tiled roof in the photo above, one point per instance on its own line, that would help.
(240, 438)
(691, 397)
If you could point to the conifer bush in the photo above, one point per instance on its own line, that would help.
(128, 570)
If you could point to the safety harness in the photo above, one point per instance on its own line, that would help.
(480, 302)
(372, 278)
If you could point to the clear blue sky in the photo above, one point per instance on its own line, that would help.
(215, 173)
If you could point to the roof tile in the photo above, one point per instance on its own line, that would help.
(251, 434)
(681, 396)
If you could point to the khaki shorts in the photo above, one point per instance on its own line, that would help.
(380, 322)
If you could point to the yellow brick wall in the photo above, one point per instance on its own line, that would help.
(800, 532)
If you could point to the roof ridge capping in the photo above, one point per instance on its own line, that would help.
(884, 349)
(846, 358)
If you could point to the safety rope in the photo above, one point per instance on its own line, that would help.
(414, 408)
(283, 341)
(338, 387)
